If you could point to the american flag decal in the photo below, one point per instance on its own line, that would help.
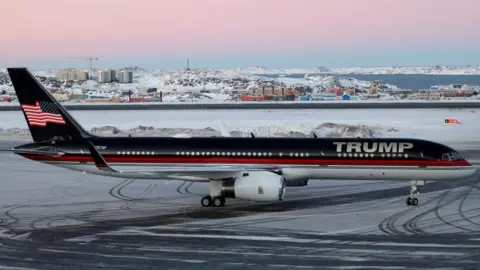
(42, 113)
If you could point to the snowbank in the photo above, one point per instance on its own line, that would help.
(303, 130)
(424, 124)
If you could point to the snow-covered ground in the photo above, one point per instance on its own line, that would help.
(418, 123)
(437, 70)
(221, 85)
(219, 98)
(434, 70)
(430, 70)
(182, 85)
(223, 79)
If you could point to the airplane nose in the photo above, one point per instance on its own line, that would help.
(463, 163)
(471, 168)
(467, 163)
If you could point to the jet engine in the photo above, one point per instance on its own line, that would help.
(297, 183)
(256, 186)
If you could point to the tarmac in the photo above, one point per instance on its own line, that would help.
(53, 218)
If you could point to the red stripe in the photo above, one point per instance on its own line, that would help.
(36, 117)
(273, 161)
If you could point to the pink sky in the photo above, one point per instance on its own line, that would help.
(61, 28)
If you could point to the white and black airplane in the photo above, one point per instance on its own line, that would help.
(257, 169)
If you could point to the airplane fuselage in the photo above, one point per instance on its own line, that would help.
(298, 158)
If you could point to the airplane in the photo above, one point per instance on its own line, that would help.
(248, 168)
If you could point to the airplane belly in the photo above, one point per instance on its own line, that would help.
(378, 173)
(394, 173)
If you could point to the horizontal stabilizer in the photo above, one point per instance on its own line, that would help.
(33, 152)
(38, 152)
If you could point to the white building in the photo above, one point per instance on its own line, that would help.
(104, 76)
(125, 76)
(113, 75)
(71, 75)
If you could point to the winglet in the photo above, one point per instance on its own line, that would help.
(98, 159)
(223, 129)
(314, 135)
(251, 134)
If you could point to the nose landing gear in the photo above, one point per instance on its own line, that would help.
(414, 192)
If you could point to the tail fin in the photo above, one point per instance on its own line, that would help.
(46, 118)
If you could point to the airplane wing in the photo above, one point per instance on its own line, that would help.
(194, 173)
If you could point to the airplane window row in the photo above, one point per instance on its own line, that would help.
(143, 153)
(239, 154)
(255, 154)
(372, 155)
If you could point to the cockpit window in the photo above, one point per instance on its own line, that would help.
(451, 156)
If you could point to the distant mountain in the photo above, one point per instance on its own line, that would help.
(395, 70)
(263, 70)
(435, 70)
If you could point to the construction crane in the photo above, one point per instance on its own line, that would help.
(89, 58)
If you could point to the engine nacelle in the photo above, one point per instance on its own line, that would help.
(297, 183)
(256, 186)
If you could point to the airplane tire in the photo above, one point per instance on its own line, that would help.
(412, 201)
(206, 201)
(218, 201)
(415, 201)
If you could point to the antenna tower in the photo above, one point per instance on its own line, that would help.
(89, 59)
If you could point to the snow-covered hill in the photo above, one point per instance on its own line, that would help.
(263, 70)
(298, 131)
(435, 70)
(208, 79)
(237, 79)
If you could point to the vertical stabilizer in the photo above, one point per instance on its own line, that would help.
(46, 118)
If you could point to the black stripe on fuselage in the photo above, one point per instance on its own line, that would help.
(239, 149)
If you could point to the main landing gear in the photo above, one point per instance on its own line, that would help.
(216, 197)
(213, 201)
(414, 192)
